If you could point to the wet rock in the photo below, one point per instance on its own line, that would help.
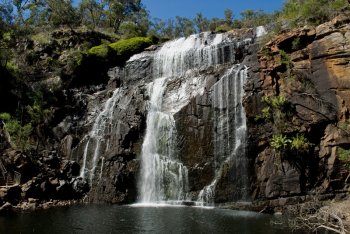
(80, 187)
(11, 194)
(66, 146)
(70, 168)
(6, 208)
(31, 189)
(64, 191)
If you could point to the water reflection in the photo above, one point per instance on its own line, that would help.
(132, 219)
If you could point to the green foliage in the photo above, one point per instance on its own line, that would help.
(337, 5)
(275, 101)
(267, 52)
(285, 59)
(279, 142)
(299, 143)
(344, 156)
(201, 23)
(12, 67)
(128, 47)
(252, 18)
(63, 13)
(296, 44)
(19, 134)
(130, 29)
(5, 117)
(278, 101)
(222, 28)
(37, 113)
(265, 114)
(311, 12)
(100, 51)
(42, 38)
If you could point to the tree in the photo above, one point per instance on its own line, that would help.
(118, 10)
(228, 17)
(201, 23)
(183, 27)
(214, 23)
(62, 13)
(135, 25)
(6, 16)
(91, 13)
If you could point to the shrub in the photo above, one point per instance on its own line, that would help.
(296, 44)
(285, 59)
(279, 142)
(312, 12)
(344, 156)
(265, 114)
(275, 101)
(5, 117)
(222, 28)
(19, 134)
(278, 101)
(129, 47)
(42, 38)
(299, 143)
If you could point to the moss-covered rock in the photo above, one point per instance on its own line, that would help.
(101, 51)
(125, 48)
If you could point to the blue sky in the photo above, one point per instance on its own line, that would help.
(165, 9)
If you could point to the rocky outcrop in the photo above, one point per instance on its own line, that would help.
(42, 178)
(309, 67)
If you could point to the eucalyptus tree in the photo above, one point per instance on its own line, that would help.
(201, 22)
(92, 13)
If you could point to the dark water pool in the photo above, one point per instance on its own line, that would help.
(104, 219)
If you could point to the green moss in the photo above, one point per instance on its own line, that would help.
(222, 28)
(12, 67)
(5, 117)
(100, 51)
(344, 156)
(42, 38)
(128, 47)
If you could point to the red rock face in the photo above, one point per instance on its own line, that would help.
(314, 76)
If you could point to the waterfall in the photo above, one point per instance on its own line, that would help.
(96, 145)
(163, 178)
(229, 134)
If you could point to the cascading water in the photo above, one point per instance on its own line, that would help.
(96, 145)
(163, 177)
(230, 134)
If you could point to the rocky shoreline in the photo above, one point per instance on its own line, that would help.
(35, 204)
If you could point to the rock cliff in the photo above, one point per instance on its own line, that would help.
(308, 69)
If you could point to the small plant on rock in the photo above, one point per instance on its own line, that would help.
(286, 60)
(299, 143)
(280, 142)
(296, 44)
(344, 156)
(265, 114)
